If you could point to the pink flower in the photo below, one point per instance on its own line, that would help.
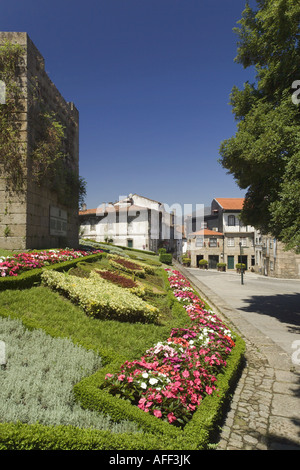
(171, 417)
(157, 413)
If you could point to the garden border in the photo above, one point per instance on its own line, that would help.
(156, 435)
(28, 278)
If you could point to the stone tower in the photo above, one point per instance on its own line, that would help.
(39, 216)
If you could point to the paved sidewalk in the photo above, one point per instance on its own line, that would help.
(264, 412)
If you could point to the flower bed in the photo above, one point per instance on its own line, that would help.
(17, 264)
(100, 298)
(134, 267)
(117, 279)
(123, 281)
(174, 376)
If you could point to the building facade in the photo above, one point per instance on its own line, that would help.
(39, 216)
(223, 238)
(271, 259)
(134, 221)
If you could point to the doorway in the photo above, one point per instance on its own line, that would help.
(198, 258)
(244, 260)
(213, 261)
(230, 262)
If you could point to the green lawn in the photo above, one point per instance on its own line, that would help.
(40, 307)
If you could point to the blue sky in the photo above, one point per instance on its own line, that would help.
(151, 80)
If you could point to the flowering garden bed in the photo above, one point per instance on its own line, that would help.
(100, 298)
(24, 269)
(175, 392)
(178, 389)
(117, 279)
(135, 267)
(21, 262)
(174, 376)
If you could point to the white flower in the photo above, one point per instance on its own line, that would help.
(153, 381)
(145, 375)
(143, 385)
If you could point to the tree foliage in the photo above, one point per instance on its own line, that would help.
(264, 154)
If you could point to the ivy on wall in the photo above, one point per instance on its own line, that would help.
(51, 165)
(12, 149)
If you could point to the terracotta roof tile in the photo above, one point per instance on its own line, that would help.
(207, 232)
(99, 210)
(234, 203)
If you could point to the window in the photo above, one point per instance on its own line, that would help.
(129, 243)
(199, 242)
(243, 241)
(230, 241)
(231, 220)
(213, 242)
(93, 223)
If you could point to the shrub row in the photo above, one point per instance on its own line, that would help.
(87, 242)
(30, 278)
(197, 434)
(165, 258)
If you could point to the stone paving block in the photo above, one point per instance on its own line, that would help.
(285, 405)
(286, 430)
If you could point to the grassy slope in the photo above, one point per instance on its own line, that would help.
(42, 308)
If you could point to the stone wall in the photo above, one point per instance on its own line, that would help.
(27, 215)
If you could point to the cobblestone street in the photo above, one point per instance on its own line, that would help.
(264, 412)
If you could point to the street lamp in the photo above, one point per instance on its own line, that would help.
(242, 271)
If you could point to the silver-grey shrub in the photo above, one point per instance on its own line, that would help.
(36, 384)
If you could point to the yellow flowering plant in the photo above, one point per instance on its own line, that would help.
(100, 298)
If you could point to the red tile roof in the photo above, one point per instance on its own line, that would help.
(116, 208)
(233, 203)
(207, 232)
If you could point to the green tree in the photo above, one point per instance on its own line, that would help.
(264, 154)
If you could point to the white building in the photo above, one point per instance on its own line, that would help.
(134, 221)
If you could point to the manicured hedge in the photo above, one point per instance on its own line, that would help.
(165, 258)
(112, 245)
(196, 434)
(29, 278)
(155, 435)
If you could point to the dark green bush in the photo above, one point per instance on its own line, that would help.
(165, 258)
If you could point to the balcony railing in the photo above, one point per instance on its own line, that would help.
(237, 229)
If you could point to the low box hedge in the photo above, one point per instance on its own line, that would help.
(165, 258)
(29, 278)
(155, 434)
(197, 434)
